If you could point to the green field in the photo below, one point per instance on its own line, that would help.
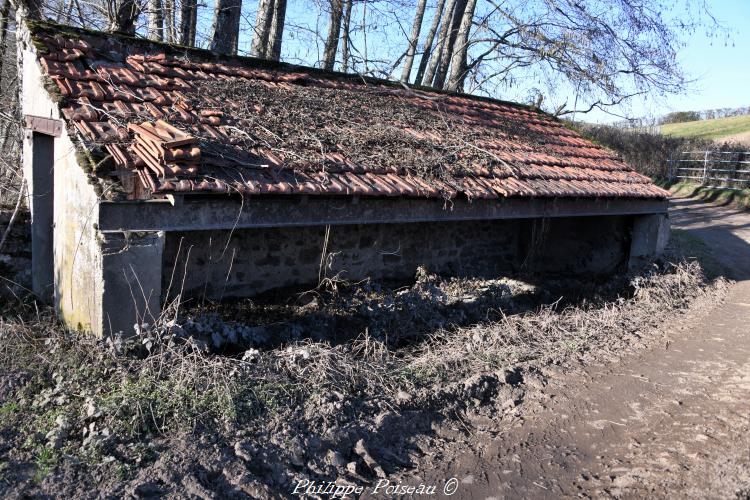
(718, 129)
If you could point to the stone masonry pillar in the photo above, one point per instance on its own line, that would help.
(650, 237)
(131, 275)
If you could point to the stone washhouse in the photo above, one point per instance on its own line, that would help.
(157, 171)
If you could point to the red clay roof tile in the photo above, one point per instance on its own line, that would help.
(153, 109)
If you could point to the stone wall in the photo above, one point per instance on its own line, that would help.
(219, 264)
(597, 246)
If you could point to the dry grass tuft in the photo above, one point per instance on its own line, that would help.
(160, 382)
(70, 399)
(551, 334)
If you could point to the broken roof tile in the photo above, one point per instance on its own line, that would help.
(102, 132)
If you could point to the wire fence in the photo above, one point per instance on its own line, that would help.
(719, 169)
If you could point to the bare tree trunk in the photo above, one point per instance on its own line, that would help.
(445, 24)
(413, 40)
(226, 26)
(263, 22)
(69, 13)
(5, 14)
(124, 16)
(63, 10)
(447, 51)
(155, 20)
(458, 60)
(188, 18)
(345, 38)
(366, 58)
(169, 24)
(428, 41)
(277, 31)
(334, 29)
(81, 17)
(31, 9)
(193, 21)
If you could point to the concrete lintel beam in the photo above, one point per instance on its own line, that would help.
(197, 214)
(42, 125)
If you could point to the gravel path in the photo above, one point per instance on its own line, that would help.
(670, 421)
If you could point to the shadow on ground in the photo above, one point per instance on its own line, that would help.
(722, 234)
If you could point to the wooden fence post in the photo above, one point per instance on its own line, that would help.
(670, 169)
(705, 166)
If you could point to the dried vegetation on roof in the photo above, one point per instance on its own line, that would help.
(291, 130)
(316, 128)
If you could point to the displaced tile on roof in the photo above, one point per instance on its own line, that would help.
(176, 122)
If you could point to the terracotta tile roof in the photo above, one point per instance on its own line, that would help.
(175, 120)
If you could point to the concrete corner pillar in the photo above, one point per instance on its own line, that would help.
(649, 239)
(131, 276)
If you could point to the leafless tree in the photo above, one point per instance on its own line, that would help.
(5, 21)
(188, 21)
(446, 52)
(170, 31)
(608, 50)
(269, 29)
(458, 64)
(263, 22)
(346, 35)
(429, 40)
(226, 26)
(11, 185)
(445, 23)
(413, 40)
(273, 49)
(155, 20)
(33, 9)
(334, 30)
(122, 15)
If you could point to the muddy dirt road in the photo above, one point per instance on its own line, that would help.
(671, 421)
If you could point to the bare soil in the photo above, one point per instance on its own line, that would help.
(741, 138)
(670, 420)
(506, 388)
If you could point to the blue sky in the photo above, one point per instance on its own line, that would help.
(721, 69)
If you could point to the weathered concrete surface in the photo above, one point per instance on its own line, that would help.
(131, 280)
(77, 257)
(250, 261)
(650, 236)
(209, 213)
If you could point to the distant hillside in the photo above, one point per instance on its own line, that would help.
(731, 129)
